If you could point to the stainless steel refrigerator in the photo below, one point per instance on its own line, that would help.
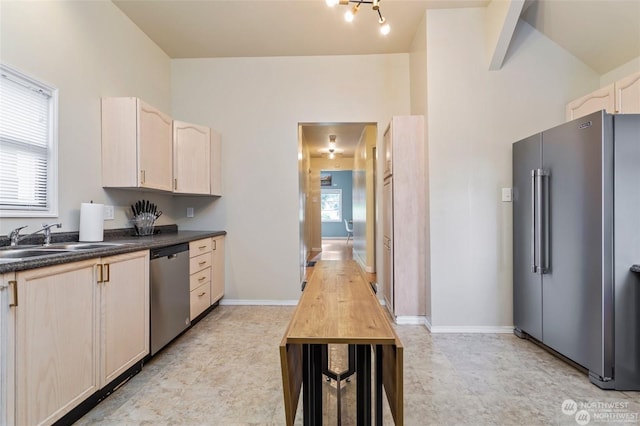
(576, 233)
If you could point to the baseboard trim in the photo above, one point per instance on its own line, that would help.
(476, 329)
(409, 320)
(254, 302)
(368, 269)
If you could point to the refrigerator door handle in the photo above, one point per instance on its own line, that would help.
(544, 222)
(541, 214)
(534, 266)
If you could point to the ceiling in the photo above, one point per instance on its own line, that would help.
(236, 28)
(603, 34)
(316, 137)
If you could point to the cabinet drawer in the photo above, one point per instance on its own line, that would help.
(199, 263)
(199, 278)
(200, 299)
(199, 247)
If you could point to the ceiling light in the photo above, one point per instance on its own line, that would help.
(350, 14)
(331, 156)
(332, 143)
(385, 28)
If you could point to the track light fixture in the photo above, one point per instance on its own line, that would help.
(350, 14)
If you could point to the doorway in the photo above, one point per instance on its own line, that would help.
(350, 156)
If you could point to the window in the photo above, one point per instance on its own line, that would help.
(28, 146)
(331, 205)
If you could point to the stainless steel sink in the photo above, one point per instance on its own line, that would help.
(28, 253)
(17, 253)
(82, 246)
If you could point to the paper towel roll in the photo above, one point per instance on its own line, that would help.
(91, 222)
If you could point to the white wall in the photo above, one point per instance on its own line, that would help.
(474, 117)
(87, 50)
(256, 104)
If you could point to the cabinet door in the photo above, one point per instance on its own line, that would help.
(56, 341)
(155, 149)
(387, 255)
(217, 273)
(596, 101)
(125, 313)
(191, 158)
(7, 366)
(216, 163)
(120, 143)
(627, 93)
(199, 300)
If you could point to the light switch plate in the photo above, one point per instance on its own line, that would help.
(108, 212)
(190, 212)
(507, 195)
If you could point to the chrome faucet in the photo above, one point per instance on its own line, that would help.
(15, 236)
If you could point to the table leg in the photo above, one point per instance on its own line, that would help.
(363, 384)
(378, 403)
(312, 384)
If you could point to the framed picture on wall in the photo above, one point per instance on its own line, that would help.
(325, 179)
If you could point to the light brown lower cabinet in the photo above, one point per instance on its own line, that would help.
(206, 269)
(200, 276)
(217, 273)
(125, 313)
(76, 326)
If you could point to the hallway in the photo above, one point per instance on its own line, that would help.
(334, 249)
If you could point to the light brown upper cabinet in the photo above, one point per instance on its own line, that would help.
(136, 145)
(627, 94)
(595, 101)
(191, 158)
(621, 97)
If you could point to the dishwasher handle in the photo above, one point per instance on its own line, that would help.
(170, 252)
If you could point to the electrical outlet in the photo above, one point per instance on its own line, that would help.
(190, 212)
(108, 212)
(507, 195)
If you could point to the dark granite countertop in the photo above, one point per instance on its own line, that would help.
(635, 268)
(167, 236)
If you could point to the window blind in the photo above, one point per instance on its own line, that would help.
(25, 135)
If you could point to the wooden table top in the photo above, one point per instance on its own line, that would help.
(339, 306)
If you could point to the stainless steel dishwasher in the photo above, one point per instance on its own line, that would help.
(169, 279)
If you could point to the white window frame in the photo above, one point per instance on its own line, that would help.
(51, 209)
(331, 191)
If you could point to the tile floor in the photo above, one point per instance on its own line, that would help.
(226, 371)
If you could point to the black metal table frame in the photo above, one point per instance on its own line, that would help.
(313, 366)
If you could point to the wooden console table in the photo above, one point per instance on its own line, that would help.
(338, 306)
